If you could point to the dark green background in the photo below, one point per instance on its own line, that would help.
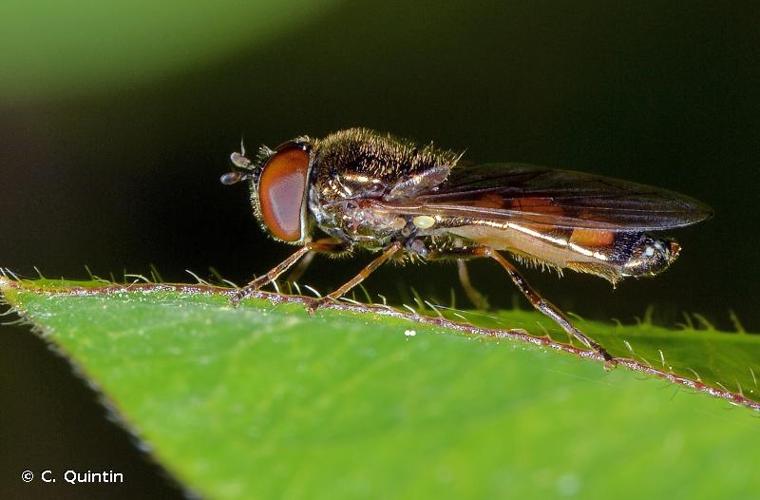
(117, 166)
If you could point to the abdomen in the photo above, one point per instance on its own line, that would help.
(608, 254)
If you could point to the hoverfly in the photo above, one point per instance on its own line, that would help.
(359, 189)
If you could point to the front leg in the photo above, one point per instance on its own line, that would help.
(327, 245)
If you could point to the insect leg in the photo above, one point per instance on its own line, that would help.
(478, 299)
(532, 295)
(298, 270)
(322, 246)
(388, 252)
(542, 304)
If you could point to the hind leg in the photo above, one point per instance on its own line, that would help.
(528, 291)
(478, 299)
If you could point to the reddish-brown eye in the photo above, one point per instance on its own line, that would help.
(282, 186)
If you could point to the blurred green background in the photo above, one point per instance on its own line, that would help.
(116, 119)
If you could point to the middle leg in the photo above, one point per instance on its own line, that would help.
(388, 252)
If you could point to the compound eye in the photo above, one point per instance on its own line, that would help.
(282, 187)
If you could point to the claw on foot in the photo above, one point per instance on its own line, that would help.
(317, 303)
(609, 360)
(240, 294)
(610, 364)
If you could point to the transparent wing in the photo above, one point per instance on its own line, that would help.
(519, 193)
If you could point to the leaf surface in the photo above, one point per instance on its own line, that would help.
(267, 401)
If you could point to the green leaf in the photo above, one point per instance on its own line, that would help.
(267, 401)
